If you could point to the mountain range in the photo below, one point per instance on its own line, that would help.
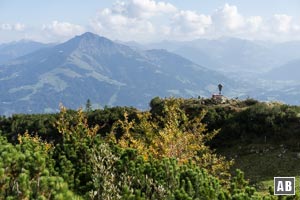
(234, 55)
(10, 51)
(269, 71)
(36, 77)
(106, 72)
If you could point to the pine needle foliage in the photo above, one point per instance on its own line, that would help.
(27, 171)
(171, 135)
(73, 153)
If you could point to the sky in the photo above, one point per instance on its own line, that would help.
(149, 20)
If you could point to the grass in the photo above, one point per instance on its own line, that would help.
(262, 162)
(263, 186)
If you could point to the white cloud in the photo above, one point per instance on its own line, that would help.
(150, 20)
(190, 24)
(12, 27)
(126, 20)
(156, 20)
(282, 23)
(145, 20)
(143, 8)
(19, 27)
(281, 27)
(6, 27)
(227, 21)
(62, 29)
(254, 23)
(110, 24)
(227, 18)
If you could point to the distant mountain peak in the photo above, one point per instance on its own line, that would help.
(89, 36)
(91, 66)
(89, 39)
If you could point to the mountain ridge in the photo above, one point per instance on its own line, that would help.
(93, 67)
(13, 50)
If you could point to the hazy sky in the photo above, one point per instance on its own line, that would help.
(149, 20)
